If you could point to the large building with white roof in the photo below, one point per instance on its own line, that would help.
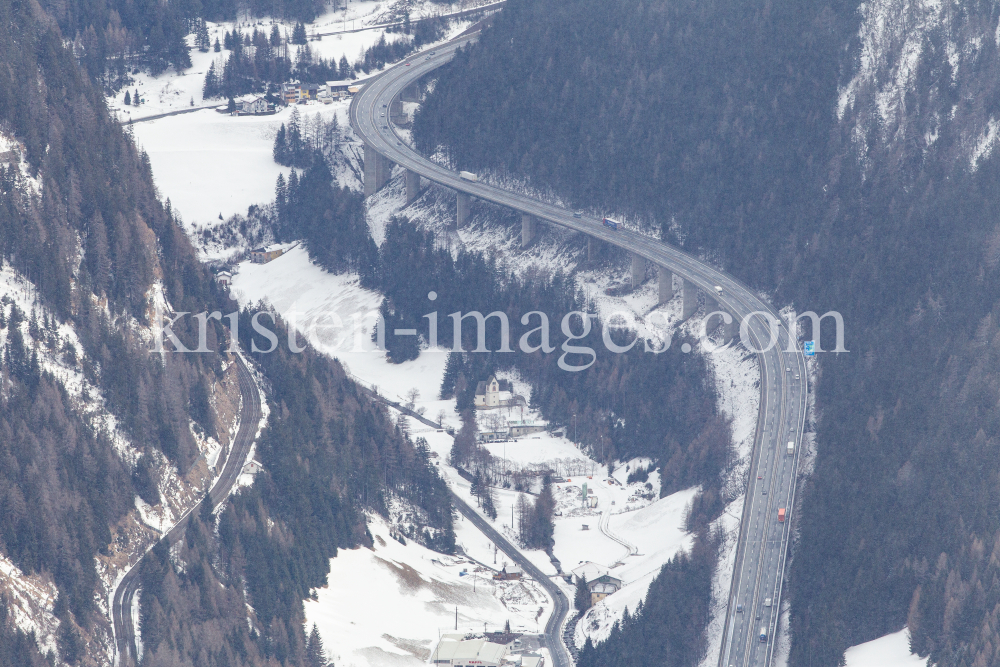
(456, 651)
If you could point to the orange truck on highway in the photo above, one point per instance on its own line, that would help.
(781, 514)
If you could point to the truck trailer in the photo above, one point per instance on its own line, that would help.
(613, 224)
(791, 447)
(781, 515)
(468, 176)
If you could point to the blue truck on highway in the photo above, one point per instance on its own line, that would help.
(613, 224)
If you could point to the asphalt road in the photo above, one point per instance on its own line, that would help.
(553, 628)
(121, 608)
(763, 545)
(397, 24)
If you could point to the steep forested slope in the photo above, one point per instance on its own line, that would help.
(756, 133)
(87, 250)
(79, 218)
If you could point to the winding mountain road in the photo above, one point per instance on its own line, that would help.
(748, 637)
(560, 603)
(126, 654)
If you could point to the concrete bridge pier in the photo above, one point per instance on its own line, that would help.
(689, 298)
(411, 93)
(396, 114)
(412, 186)
(591, 248)
(665, 282)
(638, 270)
(529, 228)
(730, 329)
(464, 201)
(377, 170)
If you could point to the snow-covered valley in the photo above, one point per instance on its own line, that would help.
(211, 166)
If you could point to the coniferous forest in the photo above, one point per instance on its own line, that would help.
(717, 124)
(96, 243)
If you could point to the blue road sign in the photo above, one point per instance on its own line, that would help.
(810, 348)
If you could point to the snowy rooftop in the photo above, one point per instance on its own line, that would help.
(478, 650)
(589, 571)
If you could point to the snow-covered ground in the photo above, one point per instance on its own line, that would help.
(657, 532)
(210, 164)
(173, 91)
(388, 605)
(30, 602)
(889, 651)
(336, 315)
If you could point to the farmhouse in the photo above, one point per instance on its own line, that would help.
(263, 255)
(599, 582)
(254, 106)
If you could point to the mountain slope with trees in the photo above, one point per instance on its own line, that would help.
(92, 249)
(718, 123)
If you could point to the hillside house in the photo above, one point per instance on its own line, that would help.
(291, 92)
(263, 255)
(224, 278)
(308, 91)
(254, 106)
(602, 587)
(336, 89)
(599, 582)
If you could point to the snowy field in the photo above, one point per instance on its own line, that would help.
(210, 164)
(388, 605)
(888, 651)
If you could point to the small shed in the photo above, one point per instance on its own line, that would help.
(509, 573)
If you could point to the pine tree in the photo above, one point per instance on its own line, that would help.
(315, 654)
(205, 511)
(216, 47)
(135, 97)
(299, 34)
(452, 369)
(211, 87)
(489, 506)
(280, 150)
(202, 40)
(128, 99)
(581, 600)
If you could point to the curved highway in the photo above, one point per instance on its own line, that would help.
(121, 608)
(752, 610)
